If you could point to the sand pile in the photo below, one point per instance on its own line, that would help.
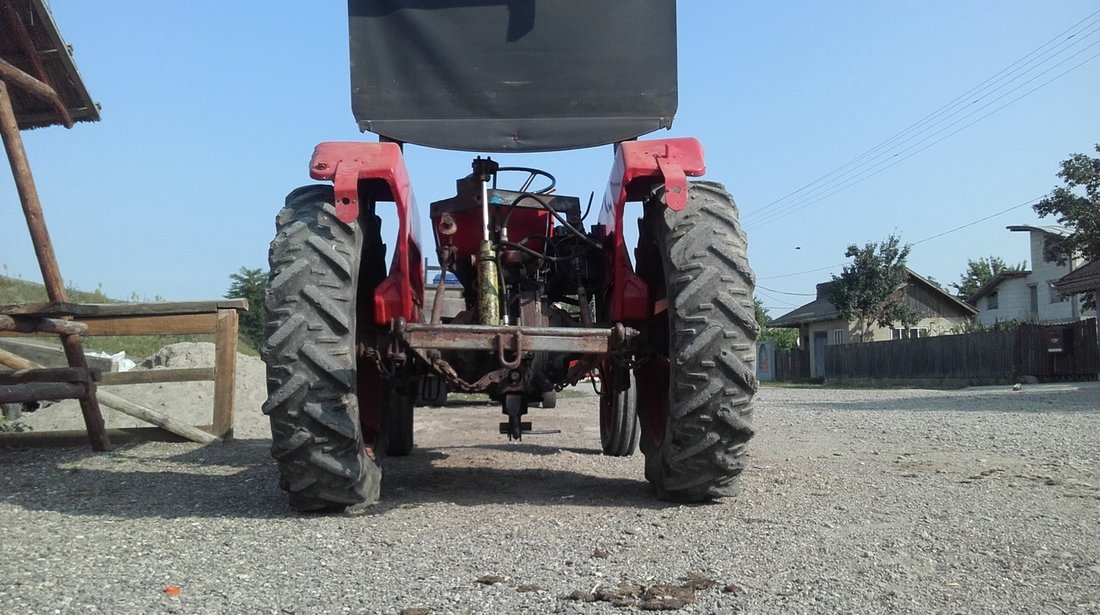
(190, 402)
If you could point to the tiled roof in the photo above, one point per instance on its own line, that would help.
(1086, 277)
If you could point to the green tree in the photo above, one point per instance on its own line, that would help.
(250, 284)
(979, 272)
(870, 290)
(783, 337)
(1076, 206)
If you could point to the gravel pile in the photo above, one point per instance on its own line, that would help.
(856, 501)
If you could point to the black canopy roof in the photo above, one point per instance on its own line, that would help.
(513, 75)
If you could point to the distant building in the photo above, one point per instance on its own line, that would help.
(1032, 295)
(819, 322)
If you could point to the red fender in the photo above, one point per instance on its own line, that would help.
(639, 165)
(346, 164)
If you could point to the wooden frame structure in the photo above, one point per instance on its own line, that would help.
(40, 86)
(167, 318)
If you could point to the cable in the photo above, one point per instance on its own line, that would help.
(969, 224)
(926, 239)
(948, 106)
(878, 165)
(782, 292)
(791, 275)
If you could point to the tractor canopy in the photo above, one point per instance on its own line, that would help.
(512, 75)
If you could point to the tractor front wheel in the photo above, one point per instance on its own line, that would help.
(696, 429)
(618, 415)
(310, 353)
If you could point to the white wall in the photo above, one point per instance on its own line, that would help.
(1014, 295)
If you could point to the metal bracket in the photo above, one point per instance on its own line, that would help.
(675, 183)
(517, 344)
(345, 183)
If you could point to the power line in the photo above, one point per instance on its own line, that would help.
(783, 292)
(878, 164)
(795, 207)
(790, 275)
(948, 106)
(926, 239)
(969, 224)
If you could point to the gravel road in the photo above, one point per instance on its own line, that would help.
(984, 500)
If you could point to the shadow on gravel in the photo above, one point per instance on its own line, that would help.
(1037, 402)
(239, 480)
(231, 480)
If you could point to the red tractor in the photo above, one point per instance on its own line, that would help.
(545, 299)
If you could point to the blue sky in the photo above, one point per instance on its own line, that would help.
(211, 111)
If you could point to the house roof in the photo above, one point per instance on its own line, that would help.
(1082, 279)
(1052, 229)
(818, 310)
(821, 309)
(30, 42)
(994, 282)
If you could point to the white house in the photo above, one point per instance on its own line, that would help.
(1030, 296)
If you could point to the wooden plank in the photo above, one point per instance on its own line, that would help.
(41, 352)
(51, 374)
(146, 376)
(38, 324)
(154, 325)
(140, 412)
(225, 370)
(37, 391)
(113, 310)
(14, 361)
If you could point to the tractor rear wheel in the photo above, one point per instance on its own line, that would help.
(310, 353)
(695, 431)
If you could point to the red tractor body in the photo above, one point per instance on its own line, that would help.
(353, 344)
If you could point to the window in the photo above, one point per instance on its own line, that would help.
(1033, 296)
(909, 333)
(991, 301)
(1056, 295)
(838, 336)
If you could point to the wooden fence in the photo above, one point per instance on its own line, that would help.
(1042, 352)
(792, 364)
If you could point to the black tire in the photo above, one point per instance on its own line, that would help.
(549, 399)
(711, 332)
(619, 419)
(432, 391)
(397, 422)
(311, 360)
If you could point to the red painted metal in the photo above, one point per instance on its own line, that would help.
(382, 168)
(639, 165)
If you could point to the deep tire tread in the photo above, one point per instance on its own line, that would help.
(712, 347)
(312, 404)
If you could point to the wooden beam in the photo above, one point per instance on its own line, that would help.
(184, 374)
(42, 325)
(47, 374)
(14, 361)
(11, 74)
(148, 415)
(109, 310)
(43, 248)
(225, 371)
(36, 391)
(154, 325)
